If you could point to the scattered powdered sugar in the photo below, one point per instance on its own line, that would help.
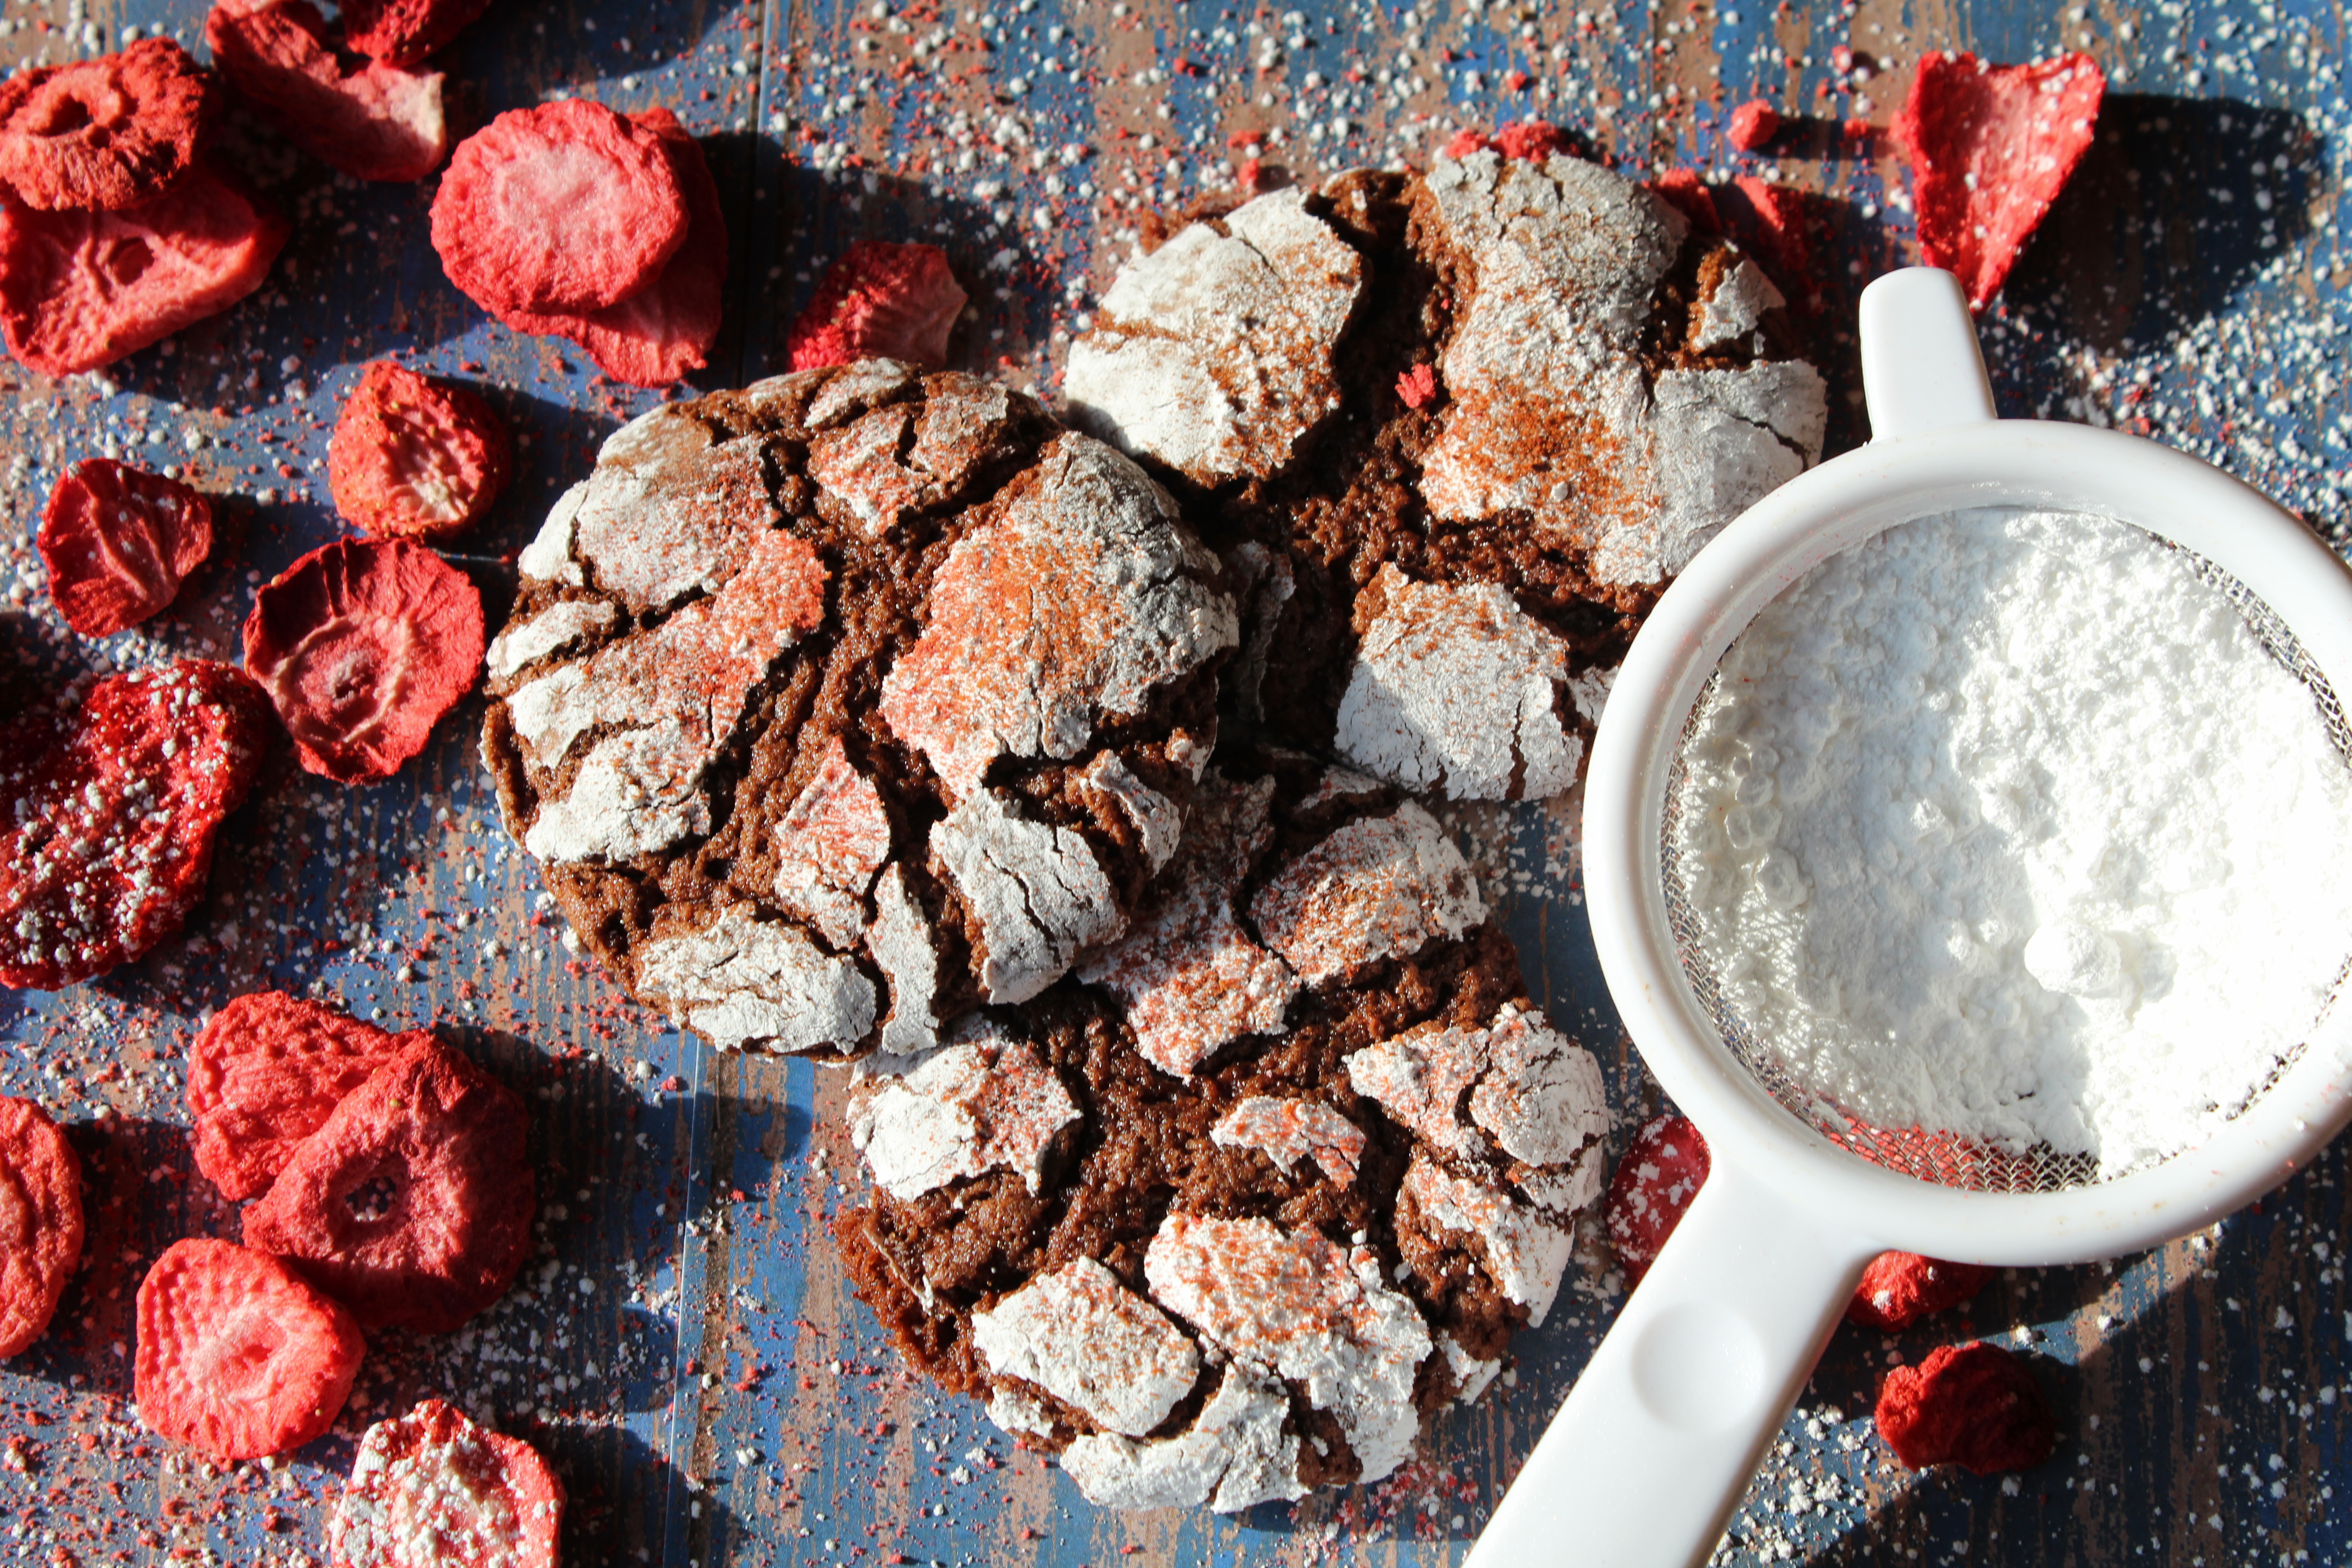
(1471, 1374)
(2004, 825)
(1234, 1456)
(1214, 353)
(977, 1105)
(1525, 1253)
(1293, 1301)
(1404, 715)
(745, 982)
(1037, 890)
(1088, 1341)
(832, 841)
(1381, 887)
(1288, 1130)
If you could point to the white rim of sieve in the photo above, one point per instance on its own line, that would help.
(2021, 463)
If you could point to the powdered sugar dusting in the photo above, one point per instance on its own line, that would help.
(560, 627)
(1088, 1341)
(746, 983)
(1404, 715)
(1236, 1447)
(1039, 895)
(1379, 888)
(1288, 1130)
(901, 940)
(667, 511)
(1157, 824)
(1736, 307)
(829, 845)
(980, 1105)
(1080, 598)
(1525, 1253)
(1293, 1301)
(908, 455)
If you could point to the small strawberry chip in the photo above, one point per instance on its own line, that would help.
(1973, 1404)
(362, 118)
(413, 1200)
(431, 1490)
(1688, 192)
(880, 302)
(81, 290)
(1900, 1288)
(238, 1355)
(1418, 385)
(362, 644)
(1530, 141)
(564, 207)
(413, 458)
(1990, 148)
(40, 1221)
(1655, 1181)
(111, 836)
(105, 134)
(402, 32)
(665, 330)
(1753, 123)
(265, 1073)
(119, 541)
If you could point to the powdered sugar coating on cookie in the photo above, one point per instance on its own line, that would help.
(1737, 306)
(1288, 1130)
(1234, 1455)
(1088, 1341)
(830, 844)
(905, 950)
(980, 1105)
(1409, 715)
(1080, 598)
(556, 629)
(898, 457)
(1379, 888)
(1537, 1093)
(1526, 1252)
(746, 983)
(1156, 823)
(1038, 894)
(669, 510)
(1214, 354)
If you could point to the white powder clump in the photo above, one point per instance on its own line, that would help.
(2004, 825)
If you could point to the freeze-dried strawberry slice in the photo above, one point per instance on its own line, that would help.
(110, 837)
(40, 1221)
(265, 1073)
(119, 541)
(1900, 1288)
(1973, 1404)
(413, 458)
(413, 1200)
(362, 644)
(80, 289)
(402, 32)
(1991, 147)
(880, 302)
(431, 1490)
(369, 119)
(563, 208)
(239, 1355)
(1654, 1182)
(103, 134)
(665, 330)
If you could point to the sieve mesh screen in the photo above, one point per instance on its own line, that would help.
(1946, 1158)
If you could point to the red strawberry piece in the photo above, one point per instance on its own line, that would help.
(238, 1355)
(665, 330)
(413, 1200)
(431, 1490)
(1655, 1181)
(119, 541)
(880, 302)
(40, 1221)
(111, 836)
(81, 290)
(1753, 123)
(1991, 147)
(1532, 141)
(368, 119)
(564, 207)
(362, 644)
(1900, 1288)
(1417, 385)
(104, 135)
(265, 1073)
(413, 458)
(1771, 224)
(1466, 143)
(1973, 1404)
(1686, 191)
(402, 32)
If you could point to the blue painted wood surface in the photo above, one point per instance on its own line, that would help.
(682, 1343)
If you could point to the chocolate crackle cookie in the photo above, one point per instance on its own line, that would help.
(1219, 1217)
(1460, 429)
(836, 705)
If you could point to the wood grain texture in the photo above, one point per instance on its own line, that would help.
(682, 1342)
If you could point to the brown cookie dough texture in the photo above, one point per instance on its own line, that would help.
(1221, 1215)
(836, 705)
(1604, 393)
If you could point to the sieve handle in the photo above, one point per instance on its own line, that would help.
(1921, 368)
(1659, 1436)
